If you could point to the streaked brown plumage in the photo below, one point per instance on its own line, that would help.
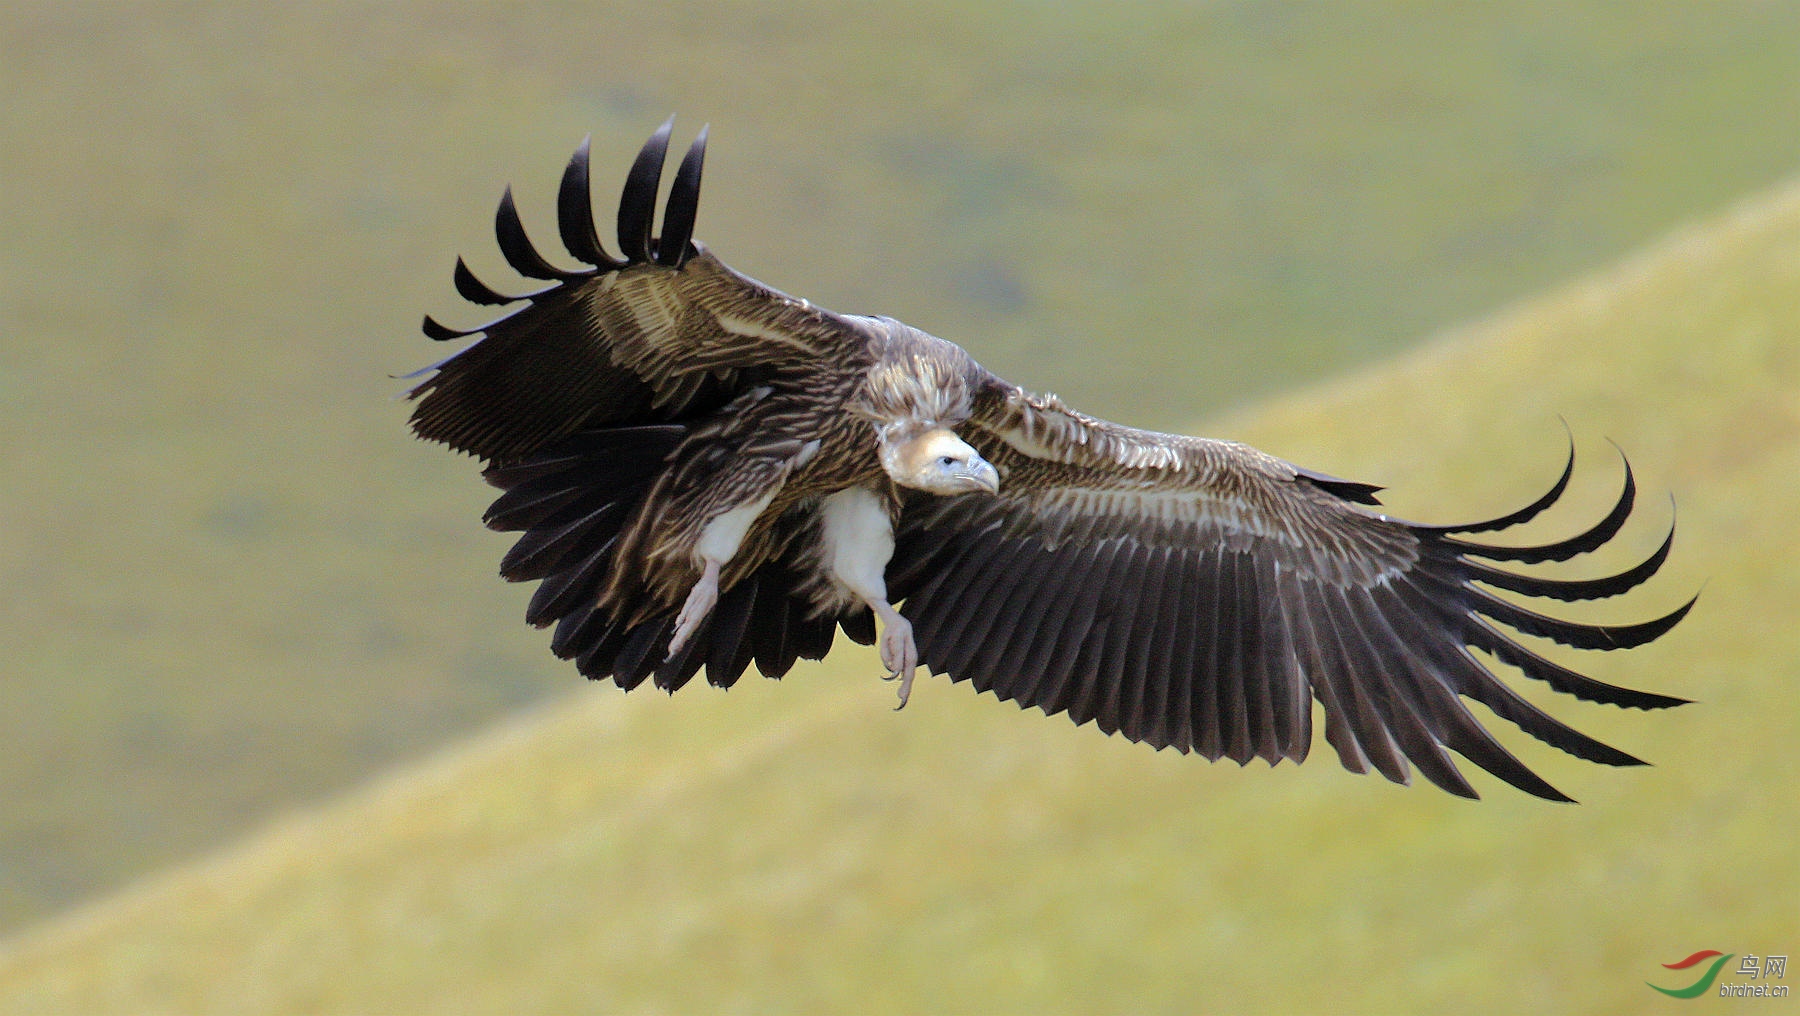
(709, 473)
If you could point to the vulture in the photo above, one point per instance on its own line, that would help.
(709, 473)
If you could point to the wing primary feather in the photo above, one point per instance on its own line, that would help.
(1401, 696)
(1478, 683)
(637, 203)
(1571, 633)
(1369, 721)
(575, 213)
(442, 333)
(1523, 515)
(675, 247)
(1463, 674)
(1484, 636)
(1323, 675)
(474, 290)
(516, 246)
(430, 368)
(1509, 705)
(1562, 550)
(1580, 589)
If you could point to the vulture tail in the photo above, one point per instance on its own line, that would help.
(570, 503)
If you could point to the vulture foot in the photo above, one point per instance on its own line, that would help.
(899, 654)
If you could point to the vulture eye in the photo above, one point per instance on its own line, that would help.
(946, 462)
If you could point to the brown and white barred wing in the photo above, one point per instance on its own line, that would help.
(667, 332)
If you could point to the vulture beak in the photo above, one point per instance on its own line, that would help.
(980, 474)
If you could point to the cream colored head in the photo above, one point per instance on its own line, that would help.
(938, 462)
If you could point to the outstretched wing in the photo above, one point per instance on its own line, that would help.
(667, 332)
(1199, 594)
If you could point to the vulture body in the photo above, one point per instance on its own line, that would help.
(709, 473)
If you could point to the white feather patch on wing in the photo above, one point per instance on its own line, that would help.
(1158, 505)
(752, 329)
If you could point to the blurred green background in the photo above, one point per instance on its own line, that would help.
(231, 585)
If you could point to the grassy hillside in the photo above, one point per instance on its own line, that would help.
(231, 581)
(797, 846)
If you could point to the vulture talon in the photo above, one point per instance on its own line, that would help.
(906, 682)
(899, 654)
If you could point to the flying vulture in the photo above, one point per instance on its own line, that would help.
(708, 472)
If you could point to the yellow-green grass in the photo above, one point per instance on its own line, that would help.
(232, 582)
(796, 846)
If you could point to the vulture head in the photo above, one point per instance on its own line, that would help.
(936, 461)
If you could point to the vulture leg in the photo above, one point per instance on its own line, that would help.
(859, 541)
(719, 543)
(699, 603)
(757, 471)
